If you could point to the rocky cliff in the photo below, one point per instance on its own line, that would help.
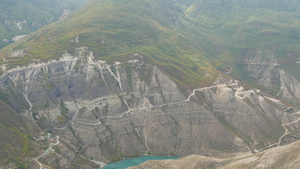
(107, 111)
(264, 71)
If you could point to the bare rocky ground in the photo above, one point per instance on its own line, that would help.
(280, 157)
(105, 112)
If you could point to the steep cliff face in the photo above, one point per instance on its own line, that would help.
(150, 80)
(265, 72)
(105, 111)
(262, 66)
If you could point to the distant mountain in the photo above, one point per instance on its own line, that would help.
(158, 30)
(193, 37)
(118, 79)
(238, 28)
(21, 17)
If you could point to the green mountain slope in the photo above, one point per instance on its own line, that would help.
(192, 42)
(243, 26)
(17, 133)
(20, 17)
(112, 29)
(192, 39)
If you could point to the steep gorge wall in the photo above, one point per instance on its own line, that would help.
(263, 67)
(107, 111)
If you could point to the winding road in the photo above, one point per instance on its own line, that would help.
(42, 155)
(239, 94)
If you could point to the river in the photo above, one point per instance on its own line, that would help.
(135, 161)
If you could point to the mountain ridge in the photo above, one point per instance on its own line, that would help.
(19, 18)
(118, 79)
(150, 31)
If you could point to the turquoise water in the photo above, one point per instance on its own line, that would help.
(134, 161)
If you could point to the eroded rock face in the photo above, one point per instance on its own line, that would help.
(262, 66)
(107, 111)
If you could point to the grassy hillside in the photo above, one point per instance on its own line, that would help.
(242, 26)
(190, 40)
(30, 15)
(17, 133)
(113, 29)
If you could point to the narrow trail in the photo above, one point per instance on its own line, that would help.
(286, 129)
(42, 155)
(263, 64)
(156, 106)
(89, 124)
(228, 71)
(239, 94)
(286, 132)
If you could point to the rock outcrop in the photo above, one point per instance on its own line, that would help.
(264, 69)
(105, 112)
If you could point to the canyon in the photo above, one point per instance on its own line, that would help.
(104, 112)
